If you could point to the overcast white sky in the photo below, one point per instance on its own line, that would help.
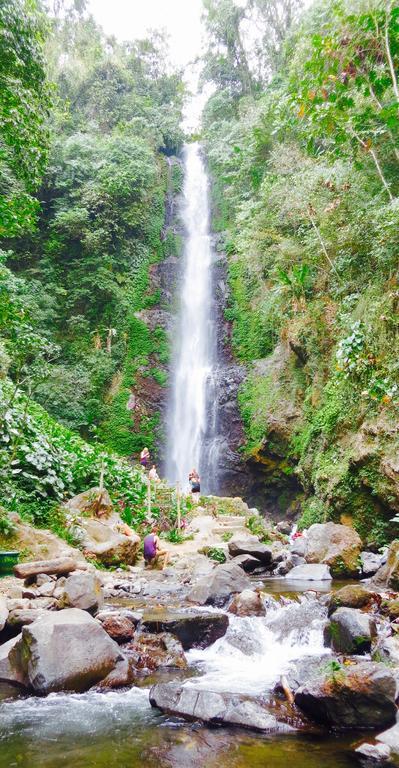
(129, 19)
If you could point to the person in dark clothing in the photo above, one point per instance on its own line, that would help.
(195, 483)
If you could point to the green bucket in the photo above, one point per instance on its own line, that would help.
(7, 562)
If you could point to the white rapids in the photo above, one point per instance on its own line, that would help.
(255, 652)
(191, 420)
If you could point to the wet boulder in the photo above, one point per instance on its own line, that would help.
(247, 603)
(82, 590)
(350, 631)
(310, 572)
(351, 596)
(215, 589)
(66, 650)
(285, 527)
(362, 696)
(194, 630)
(119, 677)
(148, 652)
(337, 546)
(215, 707)
(251, 546)
(247, 562)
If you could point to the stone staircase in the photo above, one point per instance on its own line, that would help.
(229, 524)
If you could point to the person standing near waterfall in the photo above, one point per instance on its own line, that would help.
(195, 483)
(144, 458)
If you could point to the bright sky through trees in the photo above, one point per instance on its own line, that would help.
(128, 19)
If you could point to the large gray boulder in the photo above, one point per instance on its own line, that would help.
(67, 650)
(3, 612)
(215, 589)
(253, 547)
(213, 707)
(370, 562)
(309, 572)
(82, 590)
(350, 631)
(362, 696)
(246, 562)
(9, 673)
(337, 546)
(247, 603)
(194, 630)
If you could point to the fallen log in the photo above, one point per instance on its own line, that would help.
(58, 567)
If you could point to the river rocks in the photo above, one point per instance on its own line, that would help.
(388, 575)
(246, 562)
(9, 673)
(370, 562)
(82, 590)
(67, 650)
(120, 628)
(387, 649)
(148, 652)
(3, 612)
(390, 608)
(351, 596)
(59, 566)
(21, 617)
(109, 547)
(362, 696)
(119, 677)
(221, 583)
(95, 501)
(194, 630)
(212, 706)
(310, 572)
(373, 753)
(350, 631)
(247, 603)
(338, 546)
(251, 547)
(390, 738)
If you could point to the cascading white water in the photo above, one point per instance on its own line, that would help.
(192, 381)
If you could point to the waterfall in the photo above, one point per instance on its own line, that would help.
(192, 422)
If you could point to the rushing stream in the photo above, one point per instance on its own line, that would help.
(120, 730)
(193, 420)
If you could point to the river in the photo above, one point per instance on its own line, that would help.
(119, 729)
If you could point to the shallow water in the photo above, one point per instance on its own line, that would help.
(119, 729)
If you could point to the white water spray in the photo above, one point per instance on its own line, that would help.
(189, 424)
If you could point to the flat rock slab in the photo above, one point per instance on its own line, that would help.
(310, 572)
(194, 630)
(61, 566)
(214, 707)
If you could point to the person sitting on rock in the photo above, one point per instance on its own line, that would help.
(153, 474)
(144, 458)
(153, 553)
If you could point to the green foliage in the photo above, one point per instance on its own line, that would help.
(305, 175)
(7, 527)
(257, 526)
(24, 107)
(215, 553)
